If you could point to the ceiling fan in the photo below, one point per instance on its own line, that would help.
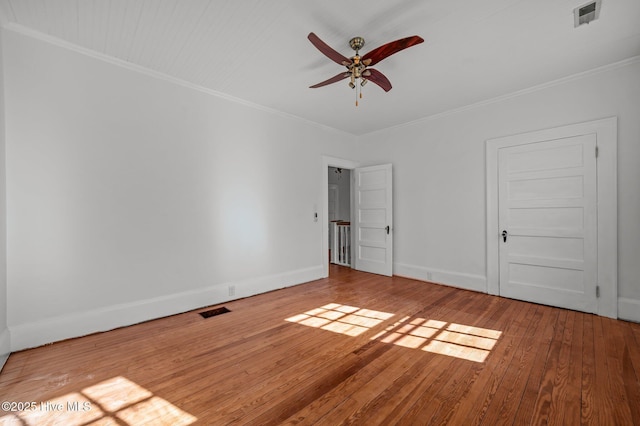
(357, 66)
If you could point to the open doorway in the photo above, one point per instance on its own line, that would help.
(341, 203)
(371, 216)
(339, 216)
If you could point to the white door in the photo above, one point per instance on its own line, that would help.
(547, 219)
(373, 219)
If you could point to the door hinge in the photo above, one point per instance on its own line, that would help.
(597, 151)
(597, 291)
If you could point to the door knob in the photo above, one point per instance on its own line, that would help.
(387, 228)
(504, 235)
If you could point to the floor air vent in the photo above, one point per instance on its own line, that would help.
(214, 312)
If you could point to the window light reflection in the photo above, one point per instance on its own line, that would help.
(429, 335)
(343, 319)
(440, 337)
(117, 401)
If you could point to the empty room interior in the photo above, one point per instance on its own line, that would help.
(366, 212)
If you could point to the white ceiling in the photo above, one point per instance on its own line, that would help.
(258, 51)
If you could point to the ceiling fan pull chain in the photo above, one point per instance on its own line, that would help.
(358, 92)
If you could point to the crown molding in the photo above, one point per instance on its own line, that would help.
(553, 83)
(29, 32)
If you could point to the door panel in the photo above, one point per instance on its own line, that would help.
(373, 219)
(547, 206)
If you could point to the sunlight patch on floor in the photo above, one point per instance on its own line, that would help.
(429, 335)
(343, 319)
(116, 401)
(441, 337)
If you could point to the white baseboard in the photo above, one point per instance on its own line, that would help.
(452, 279)
(5, 347)
(629, 309)
(50, 330)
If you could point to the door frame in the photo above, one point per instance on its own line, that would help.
(607, 203)
(324, 217)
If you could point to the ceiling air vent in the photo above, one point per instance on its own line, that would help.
(586, 13)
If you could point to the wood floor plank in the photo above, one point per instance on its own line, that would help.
(502, 408)
(570, 401)
(372, 408)
(396, 399)
(457, 393)
(631, 368)
(544, 401)
(565, 403)
(496, 386)
(618, 369)
(526, 409)
(366, 387)
(283, 357)
(604, 408)
(588, 395)
(334, 408)
(403, 312)
(402, 391)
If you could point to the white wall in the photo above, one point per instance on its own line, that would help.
(439, 175)
(132, 197)
(5, 345)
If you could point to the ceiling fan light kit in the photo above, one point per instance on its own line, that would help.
(357, 66)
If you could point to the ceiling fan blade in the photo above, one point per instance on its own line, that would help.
(386, 50)
(328, 50)
(378, 78)
(333, 79)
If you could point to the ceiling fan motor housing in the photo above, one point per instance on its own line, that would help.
(356, 43)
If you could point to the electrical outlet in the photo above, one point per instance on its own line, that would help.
(232, 290)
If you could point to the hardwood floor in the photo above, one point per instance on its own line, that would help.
(353, 348)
